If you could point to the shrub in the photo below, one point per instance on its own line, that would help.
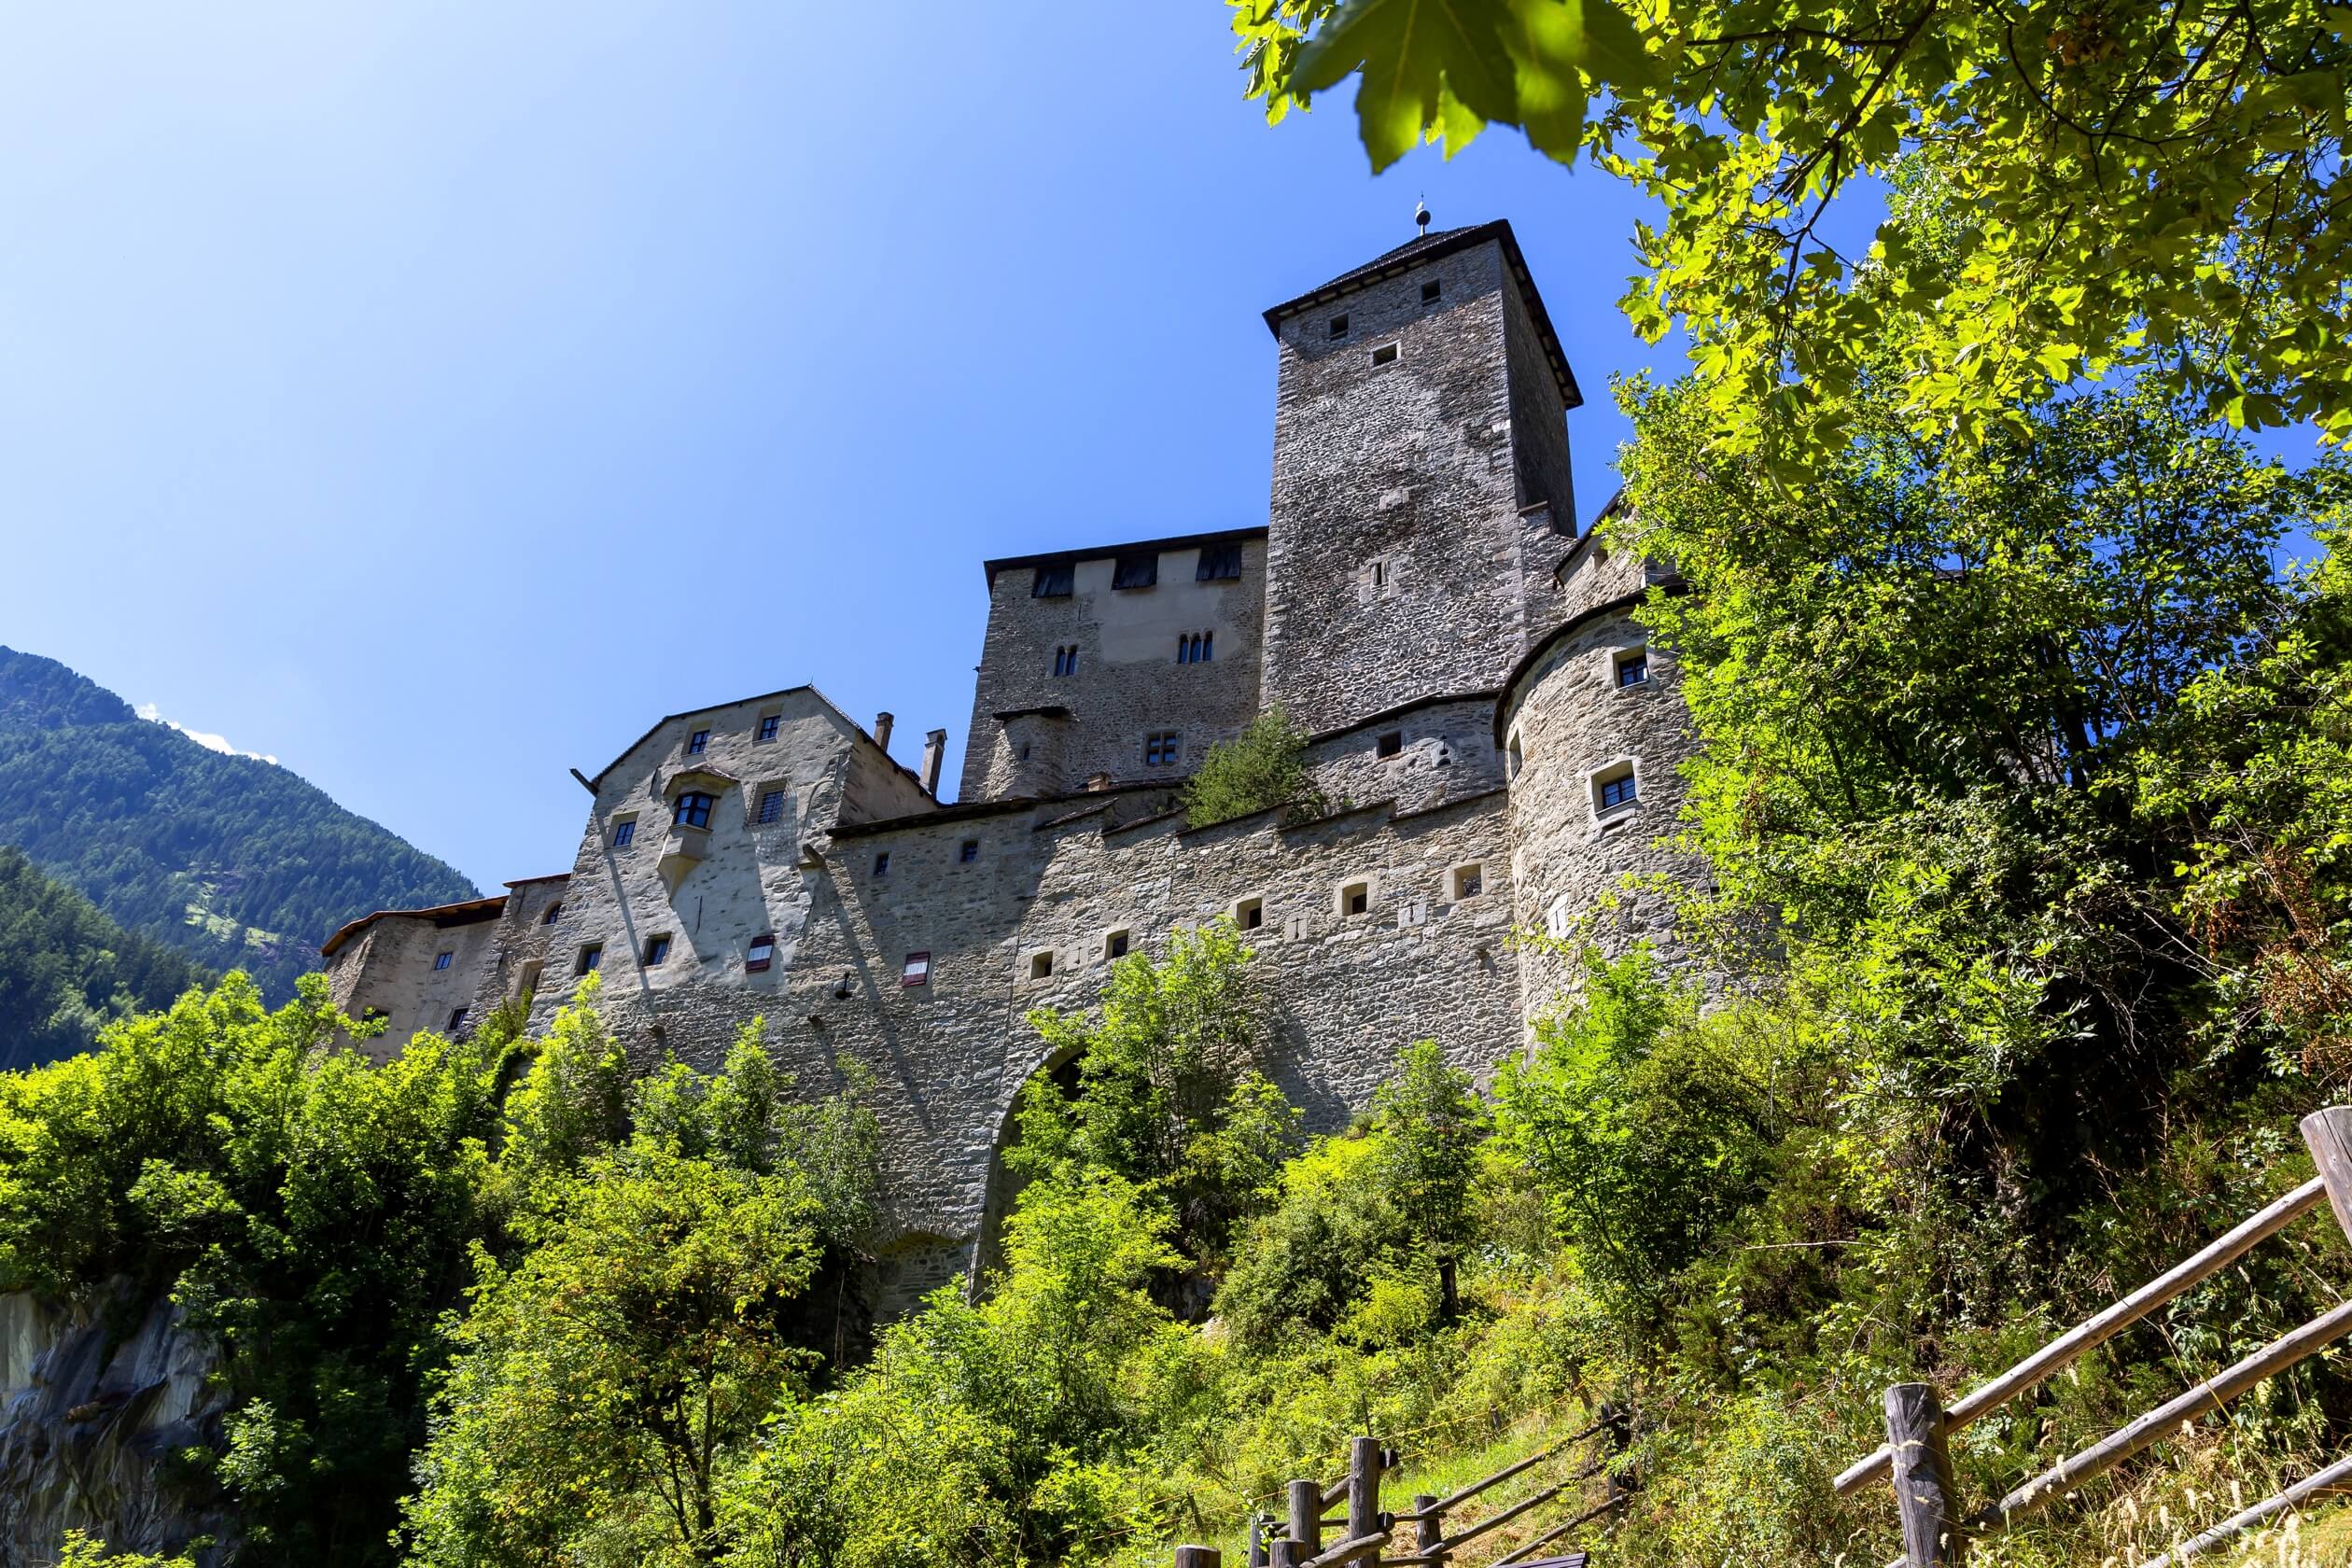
(1262, 767)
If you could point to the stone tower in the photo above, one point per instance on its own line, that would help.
(1421, 495)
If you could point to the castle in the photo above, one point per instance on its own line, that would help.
(1480, 702)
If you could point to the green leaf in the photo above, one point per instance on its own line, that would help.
(1412, 53)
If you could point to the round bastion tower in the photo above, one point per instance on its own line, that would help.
(1593, 729)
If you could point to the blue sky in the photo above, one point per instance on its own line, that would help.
(432, 396)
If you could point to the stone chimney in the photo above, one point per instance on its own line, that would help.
(882, 722)
(934, 748)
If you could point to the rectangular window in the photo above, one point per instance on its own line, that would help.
(1469, 881)
(760, 954)
(1114, 946)
(623, 833)
(1430, 292)
(1355, 898)
(1618, 792)
(440, 960)
(1054, 583)
(1392, 743)
(1250, 914)
(698, 743)
(656, 951)
(771, 805)
(591, 959)
(1633, 667)
(1161, 748)
(1041, 965)
(456, 1021)
(916, 971)
(1339, 327)
(1135, 571)
(1066, 660)
(1219, 562)
(968, 851)
(769, 724)
(692, 810)
(1384, 355)
(882, 863)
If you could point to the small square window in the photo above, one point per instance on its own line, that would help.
(916, 971)
(1392, 743)
(692, 810)
(760, 954)
(1615, 789)
(1220, 562)
(591, 959)
(1114, 946)
(1054, 583)
(1250, 914)
(1356, 899)
(656, 951)
(1135, 571)
(442, 960)
(882, 863)
(1339, 327)
(769, 724)
(1633, 667)
(456, 1021)
(554, 912)
(1430, 292)
(624, 832)
(968, 851)
(1384, 355)
(698, 743)
(771, 806)
(1469, 881)
(1162, 748)
(1040, 966)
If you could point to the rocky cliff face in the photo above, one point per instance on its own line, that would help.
(90, 1416)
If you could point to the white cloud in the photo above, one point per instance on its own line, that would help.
(209, 742)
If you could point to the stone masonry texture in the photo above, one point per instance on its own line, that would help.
(1417, 600)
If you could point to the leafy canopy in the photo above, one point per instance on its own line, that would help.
(1262, 767)
(2067, 189)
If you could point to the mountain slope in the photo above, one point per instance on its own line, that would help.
(234, 862)
(66, 971)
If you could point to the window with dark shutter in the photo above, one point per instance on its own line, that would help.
(1054, 583)
(1135, 571)
(1219, 562)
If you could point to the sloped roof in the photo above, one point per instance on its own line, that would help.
(1429, 247)
(827, 703)
(464, 914)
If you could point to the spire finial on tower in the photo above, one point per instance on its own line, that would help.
(1420, 218)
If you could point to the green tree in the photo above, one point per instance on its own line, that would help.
(2074, 190)
(1431, 1123)
(1262, 767)
(1170, 1093)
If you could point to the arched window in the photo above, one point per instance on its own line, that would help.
(693, 810)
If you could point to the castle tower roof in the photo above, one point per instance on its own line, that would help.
(1429, 247)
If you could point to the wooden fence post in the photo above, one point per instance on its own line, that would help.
(1258, 1522)
(1286, 1553)
(2328, 1136)
(1199, 1556)
(1364, 1487)
(1305, 1516)
(1430, 1531)
(1923, 1476)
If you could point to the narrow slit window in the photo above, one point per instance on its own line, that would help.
(968, 851)
(657, 949)
(771, 806)
(882, 863)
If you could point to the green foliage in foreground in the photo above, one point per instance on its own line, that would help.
(1262, 767)
(2153, 189)
(66, 971)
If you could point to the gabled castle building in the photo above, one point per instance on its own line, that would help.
(1501, 742)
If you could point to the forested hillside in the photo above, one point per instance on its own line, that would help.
(65, 969)
(234, 862)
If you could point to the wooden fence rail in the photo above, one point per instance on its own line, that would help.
(1917, 1454)
(1369, 1531)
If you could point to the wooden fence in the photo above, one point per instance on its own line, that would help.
(1365, 1532)
(1919, 1429)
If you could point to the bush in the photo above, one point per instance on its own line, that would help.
(1262, 767)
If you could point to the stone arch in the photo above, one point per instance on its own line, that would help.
(1003, 1185)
